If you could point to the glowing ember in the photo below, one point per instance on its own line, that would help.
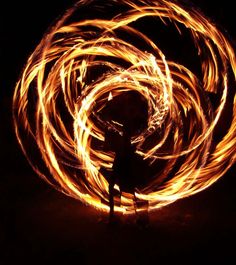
(81, 65)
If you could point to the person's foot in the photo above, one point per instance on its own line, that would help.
(142, 222)
(113, 221)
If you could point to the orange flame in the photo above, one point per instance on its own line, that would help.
(57, 73)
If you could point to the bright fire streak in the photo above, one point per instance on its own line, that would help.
(56, 80)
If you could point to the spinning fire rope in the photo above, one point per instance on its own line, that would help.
(82, 64)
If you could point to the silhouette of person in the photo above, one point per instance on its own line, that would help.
(128, 170)
(124, 172)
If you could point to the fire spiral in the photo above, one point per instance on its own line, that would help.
(83, 63)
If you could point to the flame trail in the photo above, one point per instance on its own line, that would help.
(60, 93)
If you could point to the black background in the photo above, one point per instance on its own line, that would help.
(39, 225)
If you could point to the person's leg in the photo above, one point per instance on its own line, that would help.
(111, 202)
(142, 215)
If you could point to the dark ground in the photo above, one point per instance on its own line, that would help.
(41, 226)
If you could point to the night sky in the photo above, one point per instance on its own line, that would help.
(39, 225)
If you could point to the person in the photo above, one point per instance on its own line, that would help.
(126, 170)
(123, 117)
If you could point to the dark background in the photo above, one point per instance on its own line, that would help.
(39, 225)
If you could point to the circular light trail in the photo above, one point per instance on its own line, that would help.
(82, 64)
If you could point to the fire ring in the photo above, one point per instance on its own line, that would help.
(82, 63)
